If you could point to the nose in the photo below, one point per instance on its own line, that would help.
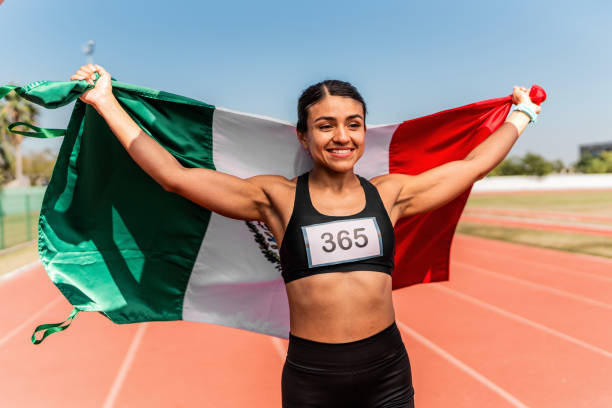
(341, 135)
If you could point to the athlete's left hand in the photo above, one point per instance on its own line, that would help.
(520, 94)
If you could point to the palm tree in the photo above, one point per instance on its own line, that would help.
(15, 109)
(7, 162)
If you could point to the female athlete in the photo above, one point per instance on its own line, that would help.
(335, 231)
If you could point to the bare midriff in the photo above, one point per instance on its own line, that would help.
(340, 307)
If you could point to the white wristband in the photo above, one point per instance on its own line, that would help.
(533, 117)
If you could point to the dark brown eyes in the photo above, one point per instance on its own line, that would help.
(352, 126)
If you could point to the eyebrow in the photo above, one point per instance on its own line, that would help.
(333, 119)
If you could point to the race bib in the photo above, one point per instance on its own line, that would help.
(342, 241)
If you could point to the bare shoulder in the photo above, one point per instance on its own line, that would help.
(396, 191)
(272, 183)
(390, 186)
(280, 195)
(279, 190)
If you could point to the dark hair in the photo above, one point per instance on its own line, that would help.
(316, 92)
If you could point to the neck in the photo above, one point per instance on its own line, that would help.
(326, 179)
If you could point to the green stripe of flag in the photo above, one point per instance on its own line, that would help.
(126, 250)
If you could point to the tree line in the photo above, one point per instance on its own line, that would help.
(34, 168)
(532, 164)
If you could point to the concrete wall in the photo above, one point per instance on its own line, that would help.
(550, 182)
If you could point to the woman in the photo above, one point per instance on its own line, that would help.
(335, 231)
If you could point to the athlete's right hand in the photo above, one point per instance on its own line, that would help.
(103, 90)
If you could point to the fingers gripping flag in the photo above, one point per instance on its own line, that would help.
(114, 241)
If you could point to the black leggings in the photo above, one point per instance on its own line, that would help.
(373, 372)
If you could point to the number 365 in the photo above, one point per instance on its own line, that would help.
(344, 240)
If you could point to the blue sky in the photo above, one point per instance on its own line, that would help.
(407, 58)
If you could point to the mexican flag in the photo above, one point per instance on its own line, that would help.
(113, 241)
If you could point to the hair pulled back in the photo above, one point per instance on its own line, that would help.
(316, 92)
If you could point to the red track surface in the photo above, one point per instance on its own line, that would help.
(515, 326)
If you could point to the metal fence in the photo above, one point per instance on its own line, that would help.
(19, 209)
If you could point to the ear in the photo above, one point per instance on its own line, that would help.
(302, 139)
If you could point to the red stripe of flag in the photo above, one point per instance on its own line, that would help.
(423, 241)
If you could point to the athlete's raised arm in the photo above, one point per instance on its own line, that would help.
(436, 187)
(222, 193)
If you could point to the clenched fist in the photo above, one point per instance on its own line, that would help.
(520, 94)
(102, 92)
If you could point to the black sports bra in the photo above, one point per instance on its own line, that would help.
(316, 243)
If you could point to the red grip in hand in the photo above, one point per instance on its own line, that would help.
(537, 94)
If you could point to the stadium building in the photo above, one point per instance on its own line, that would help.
(595, 149)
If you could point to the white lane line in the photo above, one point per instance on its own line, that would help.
(30, 321)
(125, 367)
(278, 346)
(535, 285)
(462, 366)
(556, 268)
(18, 271)
(523, 320)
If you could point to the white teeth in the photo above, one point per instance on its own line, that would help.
(340, 151)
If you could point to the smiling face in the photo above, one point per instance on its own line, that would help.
(335, 133)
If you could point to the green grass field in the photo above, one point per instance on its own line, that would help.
(18, 241)
(16, 228)
(579, 202)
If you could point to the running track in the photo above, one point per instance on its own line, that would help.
(515, 326)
